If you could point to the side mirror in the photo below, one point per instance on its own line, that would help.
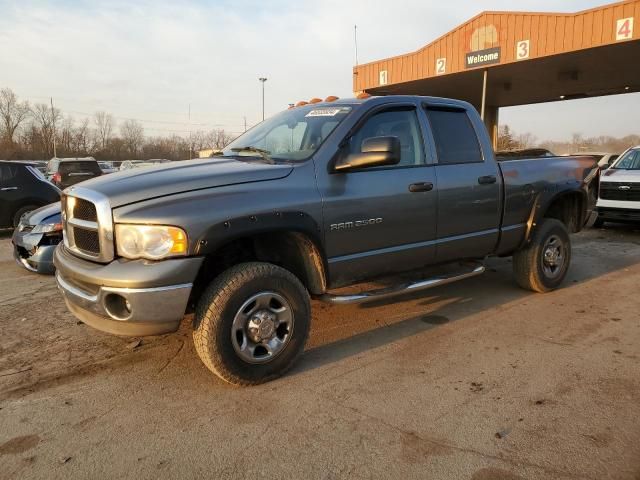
(376, 152)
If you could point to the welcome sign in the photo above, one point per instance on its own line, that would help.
(482, 57)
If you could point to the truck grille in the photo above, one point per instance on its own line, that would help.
(620, 191)
(85, 210)
(86, 240)
(88, 224)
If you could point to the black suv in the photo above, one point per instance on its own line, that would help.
(22, 189)
(64, 172)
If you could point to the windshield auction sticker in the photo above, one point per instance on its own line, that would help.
(324, 112)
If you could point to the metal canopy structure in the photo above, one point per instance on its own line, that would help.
(500, 59)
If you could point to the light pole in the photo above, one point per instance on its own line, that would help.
(262, 80)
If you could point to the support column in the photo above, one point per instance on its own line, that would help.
(491, 122)
(484, 93)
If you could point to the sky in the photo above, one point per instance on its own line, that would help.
(156, 61)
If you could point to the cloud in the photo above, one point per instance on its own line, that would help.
(150, 60)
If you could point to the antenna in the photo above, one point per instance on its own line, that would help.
(355, 41)
(190, 139)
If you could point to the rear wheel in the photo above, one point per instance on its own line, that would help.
(252, 323)
(543, 264)
(21, 211)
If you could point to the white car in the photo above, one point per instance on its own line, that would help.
(619, 197)
(604, 159)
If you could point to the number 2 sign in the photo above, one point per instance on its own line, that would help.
(441, 66)
(522, 49)
(624, 29)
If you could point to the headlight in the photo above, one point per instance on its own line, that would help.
(150, 241)
(47, 228)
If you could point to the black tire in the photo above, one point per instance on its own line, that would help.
(220, 304)
(529, 267)
(21, 211)
(598, 223)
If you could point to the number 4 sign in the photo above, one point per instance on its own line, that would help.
(624, 29)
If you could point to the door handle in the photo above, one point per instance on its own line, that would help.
(421, 187)
(4, 189)
(487, 179)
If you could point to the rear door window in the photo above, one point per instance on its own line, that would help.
(80, 167)
(8, 173)
(455, 137)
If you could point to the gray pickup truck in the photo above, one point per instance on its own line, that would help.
(318, 197)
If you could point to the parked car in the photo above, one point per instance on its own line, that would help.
(129, 164)
(36, 237)
(22, 189)
(107, 167)
(605, 160)
(65, 172)
(315, 198)
(619, 198)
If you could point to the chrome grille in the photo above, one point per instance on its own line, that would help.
(87, 240)
(85, 210)
(620, 191)
(88, 224)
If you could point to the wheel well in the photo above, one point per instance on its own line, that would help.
(568, 209)
(293, 251)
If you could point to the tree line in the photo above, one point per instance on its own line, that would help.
(29, 132)
(509, 140)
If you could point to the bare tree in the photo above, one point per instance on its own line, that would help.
(12, 113)
(217, 139)
(132, 135)
(45, 119)
(104, 127)
(526, 140)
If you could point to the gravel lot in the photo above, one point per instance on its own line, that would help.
(474, 380)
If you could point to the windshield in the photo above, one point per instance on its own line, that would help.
(628, 161)
(292, 135)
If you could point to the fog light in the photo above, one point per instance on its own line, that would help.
(117, 306)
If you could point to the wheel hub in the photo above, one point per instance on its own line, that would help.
(261, 326)
(551, 256)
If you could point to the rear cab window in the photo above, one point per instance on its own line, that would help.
(454, 135)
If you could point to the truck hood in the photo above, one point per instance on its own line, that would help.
(619, 175)
(131, 186)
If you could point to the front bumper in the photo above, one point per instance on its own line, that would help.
(124, 297)
(622, 215)
(34, 251)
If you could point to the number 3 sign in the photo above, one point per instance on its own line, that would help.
(522, 50)
(624, 29)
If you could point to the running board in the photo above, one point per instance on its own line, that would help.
(398, 289)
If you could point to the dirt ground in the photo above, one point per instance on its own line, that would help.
(475, 380)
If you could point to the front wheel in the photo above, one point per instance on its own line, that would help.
(252, 323)
(543, 264)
